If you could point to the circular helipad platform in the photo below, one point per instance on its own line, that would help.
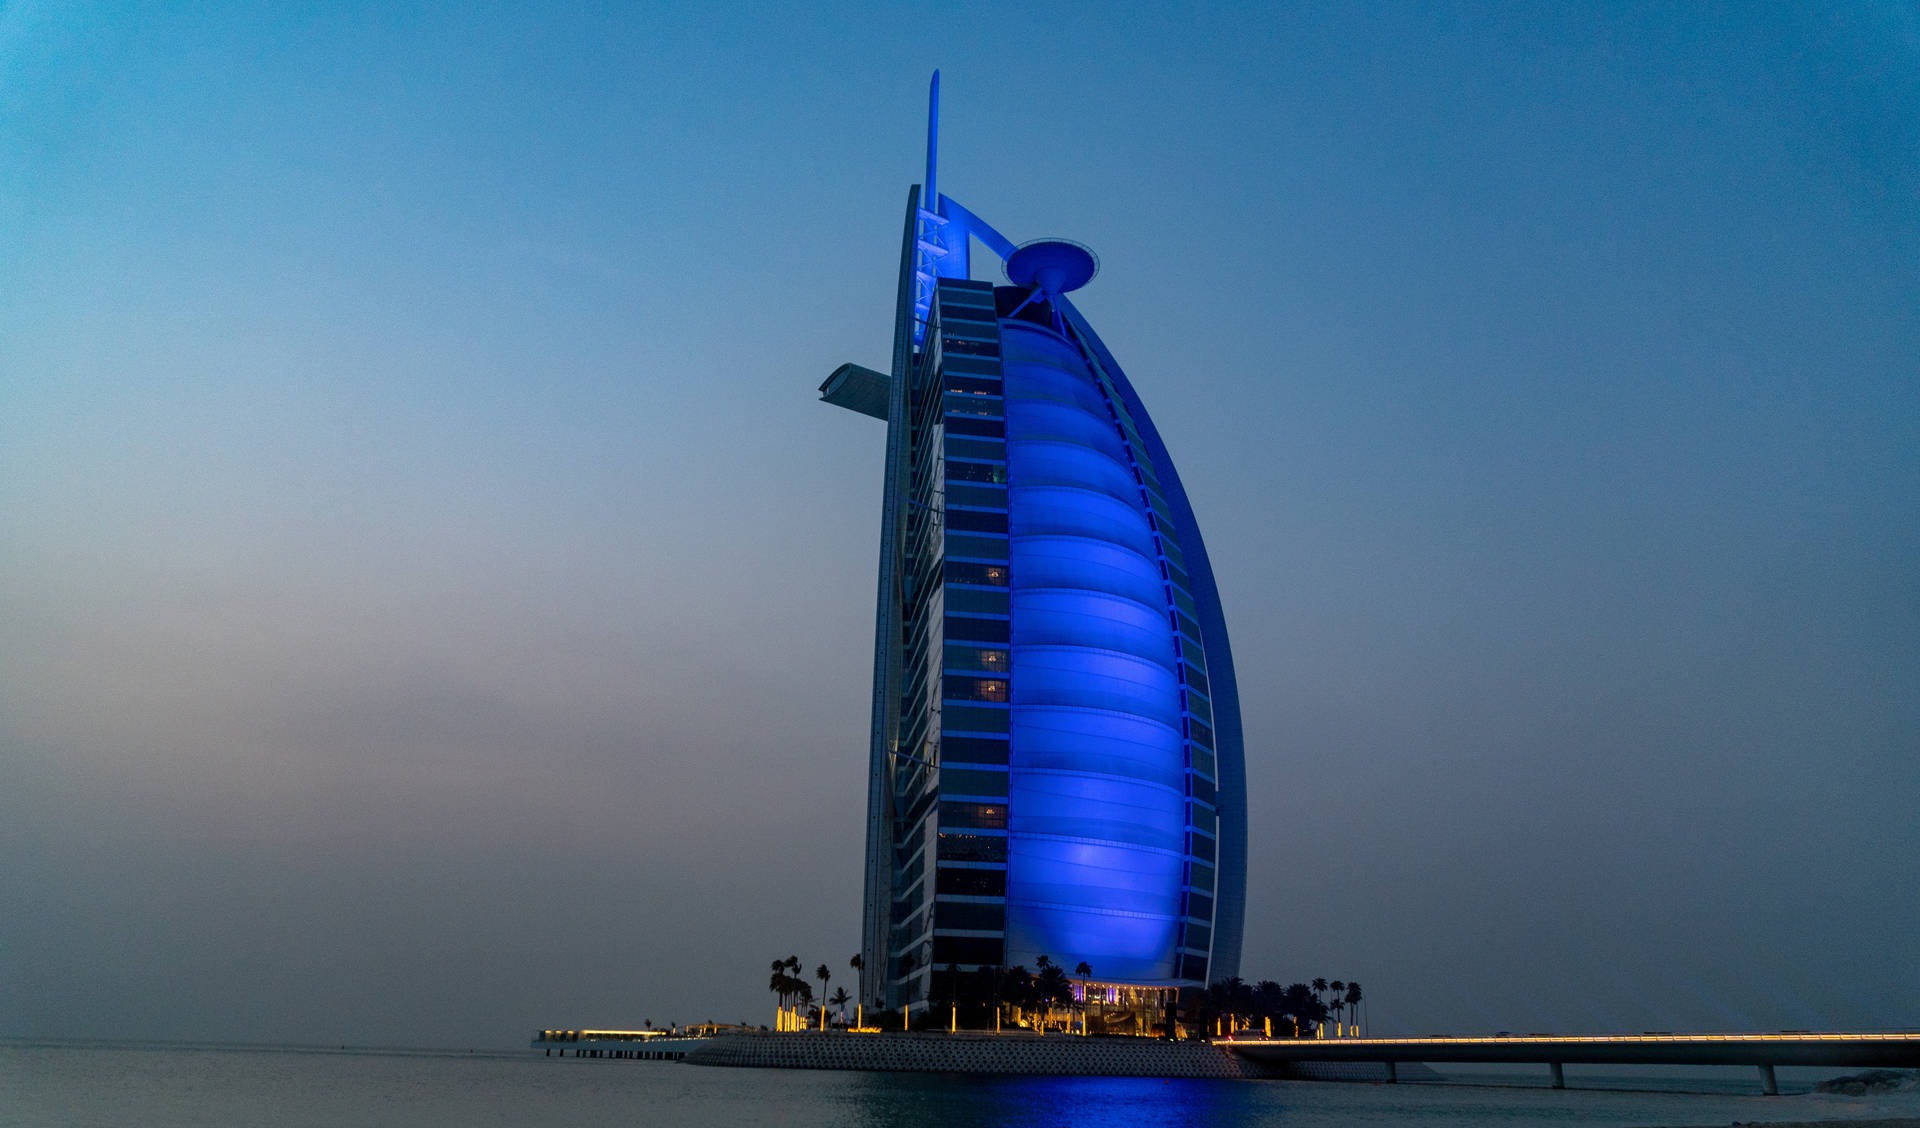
(1054, 266)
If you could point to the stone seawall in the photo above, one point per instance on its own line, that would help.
(1057, 1055)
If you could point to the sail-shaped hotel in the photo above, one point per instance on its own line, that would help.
(1056, 760)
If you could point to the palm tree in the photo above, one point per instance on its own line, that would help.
(803, 1002)
(783, 985)
(839, 1003)
(1354, 998)
(798, 984)
(1337, 990)
(1085, 971)
(823, 973)
(1302, 1008)
(1319, 988)
(1236, 998)
(1052, 984)
(1016, 987)
(1268, 1002)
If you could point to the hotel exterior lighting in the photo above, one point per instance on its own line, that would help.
(1055, 754)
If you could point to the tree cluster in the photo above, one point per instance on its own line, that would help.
(1295, 1011)
(794, 991)
(1010, 986)
(788, 985)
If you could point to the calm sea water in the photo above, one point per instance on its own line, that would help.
(82, 1086)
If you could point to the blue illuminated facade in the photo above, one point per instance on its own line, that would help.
(1056, 760)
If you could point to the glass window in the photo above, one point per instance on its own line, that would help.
(970, 425)
(969, 297)
(971, 882)
(1198, 905)
(991, 472)
(961, 346)
(972, 916)
(987, 366)
(1203, 762)
(975, 318)
(989, 548)
(974, 848)
(976, 601)
(966, 950)
(975, 689)
(960, 447)
(1197, 678)
(968, 572)
(1198, 935)
(966, 781)
(976, 630)
(973, 750)
(973, 718)
(971, 386)
(967, 521)
(973, 405)
(983, 497)
(1200, 733)
(1200, 846)
(963, 327)
(1202, 787)
(979, 816)
(989, 660)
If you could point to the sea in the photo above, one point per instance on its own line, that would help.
(80, 1085)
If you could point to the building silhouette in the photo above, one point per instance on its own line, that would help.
(1056, 759)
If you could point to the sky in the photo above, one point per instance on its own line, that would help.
(434, 606)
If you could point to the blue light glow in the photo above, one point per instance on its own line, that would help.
(1097, 804)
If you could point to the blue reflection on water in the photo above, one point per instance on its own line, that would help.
(1069, 1102)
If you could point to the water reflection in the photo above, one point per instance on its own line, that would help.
(961, 1101)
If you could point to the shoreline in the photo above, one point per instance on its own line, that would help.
(1034, 1055)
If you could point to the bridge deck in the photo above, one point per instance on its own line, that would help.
(1883, 1051)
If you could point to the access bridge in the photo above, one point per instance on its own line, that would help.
(1764, 1051)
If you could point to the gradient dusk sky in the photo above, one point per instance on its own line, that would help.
(434, 606)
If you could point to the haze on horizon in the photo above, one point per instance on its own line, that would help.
(433, 606)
